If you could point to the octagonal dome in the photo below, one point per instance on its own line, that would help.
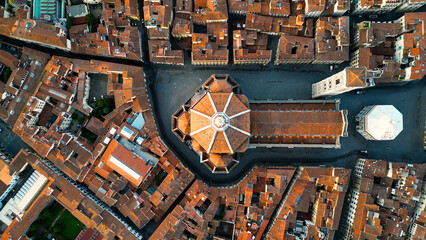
(383, 122)
(220, 122)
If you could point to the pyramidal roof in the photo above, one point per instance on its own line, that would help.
(355, 77)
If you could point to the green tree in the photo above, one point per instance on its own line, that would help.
(101, 103)
(46, 214)
(9, 9)
(90, 18)
(6, 73)
(35, 226)
(92, 22)
(81, 120)
(59, 227)
(69, 22)
(106, 110)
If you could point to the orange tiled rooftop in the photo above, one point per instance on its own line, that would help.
(158, 19)
(387, 193)
(295, 49)
(204, 51)
(182, 28)
(197, 213)
(293, 25)
(313, 206)
(250, 47)
(209, 11)
(271, 7)
(332, 40)
(44, 33)
(161, 52)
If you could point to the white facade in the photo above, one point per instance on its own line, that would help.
(409, 5)
(34, 113)
(17, 205)
(379, 122)
(312, 14)
(67, 121)
(347, 80)
(384, 7)
(338, 12)
(92, 1)
(420, 207)
(354, 60)
(400, 47)
(40, 105)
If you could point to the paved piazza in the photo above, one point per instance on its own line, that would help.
(173, 87)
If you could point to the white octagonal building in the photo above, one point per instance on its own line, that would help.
(379, 122)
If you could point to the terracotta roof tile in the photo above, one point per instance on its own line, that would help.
(250, 47)
(241, 122)
(326, 204)
(204, 122)
(158, 19)
(237, 138)
(205, 137)
(204, 106)
(297, 123)
(140, 166)
(220, 100)
(373, 34)
(210, 11)
(244, 6)
(279, 7)
(160, 51)
(206, 51)
(220, 145)
(220, 159)
(295, 48)
(183, 6)
(38, 31)
(356, 77)
(7, 26)
(235, 106)
(220, 86)
(8, 60)
(332, 39)
(182, 27)
(183, 123)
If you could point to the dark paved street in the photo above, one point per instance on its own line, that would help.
(10, 141)
(173, 87)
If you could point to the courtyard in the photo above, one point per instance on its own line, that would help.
(55, 222)
(98, 86)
